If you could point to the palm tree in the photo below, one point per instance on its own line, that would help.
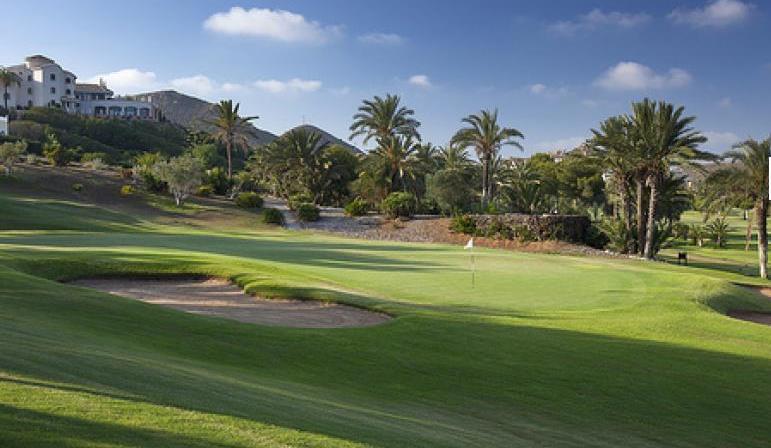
(613, 145)
(395, 157)
(750, 167)
(380, 118)
(454, 157)
(7, 79)
(487, 137)
(231, 129)
(664, 138)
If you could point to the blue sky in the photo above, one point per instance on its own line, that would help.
(554, 69)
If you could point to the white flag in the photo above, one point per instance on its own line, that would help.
(470, 244)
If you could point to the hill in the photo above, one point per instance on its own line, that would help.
(328, 138)
(194, 113)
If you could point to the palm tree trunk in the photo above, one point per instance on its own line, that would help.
(5, 99)
(485, 183)
(640, 217)
(762, 216)
(652, 203)
(748, 236)
(228, 148)
(625, 213)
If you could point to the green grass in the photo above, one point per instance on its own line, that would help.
(546, 350)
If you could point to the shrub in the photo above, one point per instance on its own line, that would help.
(144, 168)
(697, 234)
(55, 152)
(127, 190)
(9, 152)
(463, 224)
(451, 189)
(718, 231)
(248, 199)
(272, 216)
(357, 207)
(77, 187)
(307, 212)
(296, 199)
(96, 164)
(217, 178)
(89, 156)
(204, 190)
(398, 205)
(680, 230)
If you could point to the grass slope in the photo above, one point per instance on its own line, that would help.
(545, 351)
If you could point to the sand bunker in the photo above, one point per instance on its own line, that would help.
(220, 298)
(754, 316)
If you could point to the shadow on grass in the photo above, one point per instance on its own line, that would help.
(23, 427)
(430, 380)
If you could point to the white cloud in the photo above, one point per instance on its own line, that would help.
(420, 81)
(231, 87)
(634, 76)
(128, 80)
(546, 91)
(719, 13)
(598, 19)
(725, 103)
(195, 85)
(381, 39)
(721, 141)
(563, 144)
(294, 85)
(276, 24)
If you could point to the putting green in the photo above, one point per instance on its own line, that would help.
(545, 350)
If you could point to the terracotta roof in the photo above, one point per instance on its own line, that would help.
(91, 88)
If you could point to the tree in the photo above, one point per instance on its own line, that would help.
(7, 79)
(523, 189)
(381, 118)
(664, 137)
(231, 129)
(182, 174)
(9, 152)
(53, 150)
(451, 190)
(454, 157)
(750, 168)
(395, 131)
(487, 137)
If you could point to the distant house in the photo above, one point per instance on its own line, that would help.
(44, 83)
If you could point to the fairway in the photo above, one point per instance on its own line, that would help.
(543, 350)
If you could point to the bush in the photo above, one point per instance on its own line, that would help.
(249, 199)
(217, 178)
(204, 191)
(680, 230)
(357, 207)
(308, 212)
(451, 189)
(272, 216)
(718, 231)
(463, 224)
(296, 199)
(77, 187)
(96, 164)
(90, 156)
(697, 234)
(127, 190)
(398, 205)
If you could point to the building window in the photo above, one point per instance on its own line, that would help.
(67, 80)
(29, 78)
(53, 76)
(68, 91)
(29, 90)
(29, 103)
(53, 90)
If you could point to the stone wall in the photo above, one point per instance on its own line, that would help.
(572, 228)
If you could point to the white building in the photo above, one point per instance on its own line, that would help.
(3, 126)
(44, 83)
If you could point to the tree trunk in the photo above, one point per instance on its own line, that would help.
(640, 217)
(652, 203)
(625, 214)
(485, 183)
(228, 150)
(748, 236)
(761, 216)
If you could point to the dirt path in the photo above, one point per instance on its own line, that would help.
(220, 298)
